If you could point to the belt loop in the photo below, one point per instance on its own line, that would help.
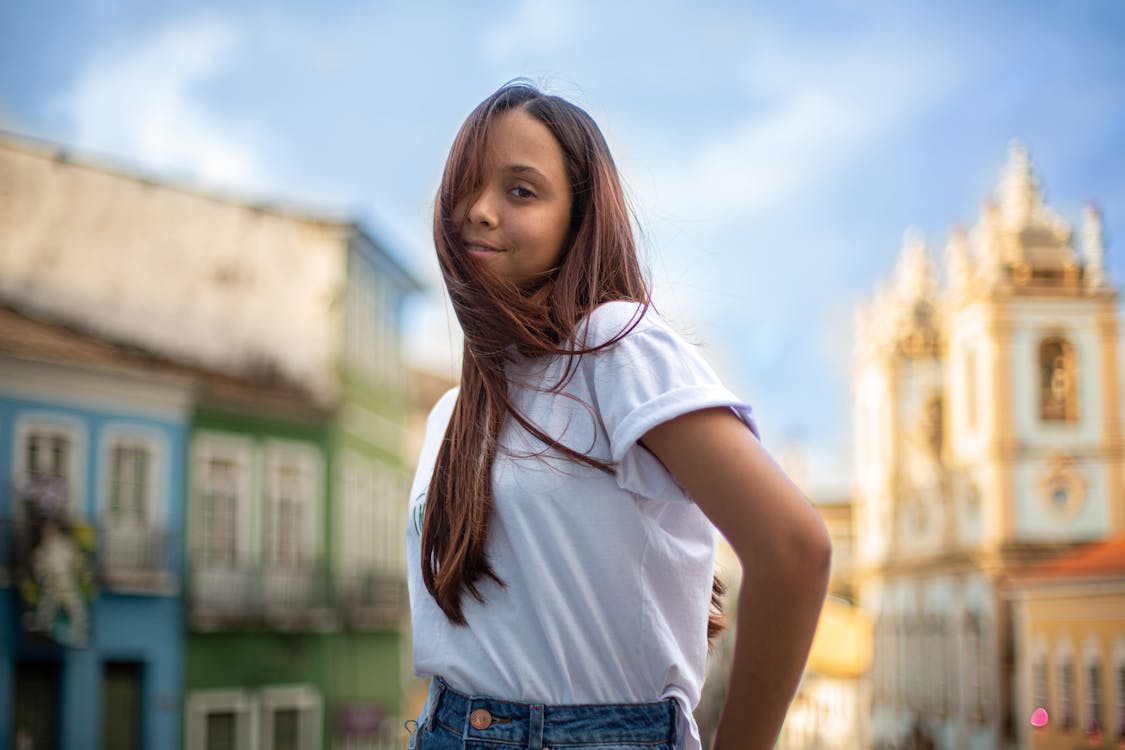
(433, 699)
(535, 728)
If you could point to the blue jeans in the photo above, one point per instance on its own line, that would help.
(454, 721)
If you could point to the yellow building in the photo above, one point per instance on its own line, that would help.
(987, 418)
(829, 711)
(1069, 617)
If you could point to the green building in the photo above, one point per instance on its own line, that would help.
(296, 572)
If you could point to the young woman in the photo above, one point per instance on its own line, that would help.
(561, 543)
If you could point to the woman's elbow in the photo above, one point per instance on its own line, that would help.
(810, 548)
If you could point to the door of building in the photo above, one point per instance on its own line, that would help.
(121, 705)
(36, 725)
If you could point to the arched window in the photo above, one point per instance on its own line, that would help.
(1066, 691)
(1039, 682)
(1058, 381)
(952, 674)
(977, 667)
(1094, 696)
(877, 659)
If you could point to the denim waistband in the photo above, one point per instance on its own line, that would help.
(537, 727)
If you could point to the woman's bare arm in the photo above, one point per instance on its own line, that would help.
(785, 553)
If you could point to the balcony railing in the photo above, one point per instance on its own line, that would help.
(241, 594)
(226, 595)
(372, 600)
(127, 560)
(138, 560)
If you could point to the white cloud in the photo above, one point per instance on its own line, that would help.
(142, 103)
(819, 106)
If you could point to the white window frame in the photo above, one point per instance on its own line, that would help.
(129, 435)
(310, 712)
(208, 445)
(27, 422)
(203, 702)
(310, 465)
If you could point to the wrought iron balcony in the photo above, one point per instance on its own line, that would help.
(227, 594)
(138, 560)
(372, 600)
(133, 560)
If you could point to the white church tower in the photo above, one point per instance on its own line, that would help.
(987, 435)
(1034, 414)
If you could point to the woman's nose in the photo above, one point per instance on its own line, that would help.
(482, 210)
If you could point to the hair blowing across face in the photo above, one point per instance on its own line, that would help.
(598, 264)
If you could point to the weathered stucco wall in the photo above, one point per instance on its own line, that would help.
(208, 280)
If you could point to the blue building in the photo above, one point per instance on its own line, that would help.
(92, 453)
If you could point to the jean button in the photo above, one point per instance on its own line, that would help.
(481, 719)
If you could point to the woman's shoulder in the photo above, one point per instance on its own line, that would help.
(443, 409)
(612, 321)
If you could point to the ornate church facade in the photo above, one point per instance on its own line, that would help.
(987, 423)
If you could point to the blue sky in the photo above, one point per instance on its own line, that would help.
(775, 152)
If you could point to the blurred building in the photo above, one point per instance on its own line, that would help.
(92, 439)
(283, 460)
(830, 710)
(1069, 620)
(988, 437)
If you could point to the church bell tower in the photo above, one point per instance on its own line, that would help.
(1035, 446)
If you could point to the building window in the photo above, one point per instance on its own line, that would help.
(48, 465)
(132, 467)
(1058, 381)
(220, 720)
(1039, 686)
(976, 649)
(1119, 707)
(220, 511)
(222, 500)
(952, 689)
(132, 508)
(291, 718)
(291, 503)
(130, 485)
(877, 660)
(1066, 693)
(1094, 700)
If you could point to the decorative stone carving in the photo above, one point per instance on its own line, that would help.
(1062, 487)
(1092, 247)
(957, 263)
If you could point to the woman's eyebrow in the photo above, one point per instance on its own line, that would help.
(525, 169)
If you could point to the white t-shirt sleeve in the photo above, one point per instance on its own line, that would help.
(648, 377)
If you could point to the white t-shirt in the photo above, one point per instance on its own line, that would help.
(608, 576)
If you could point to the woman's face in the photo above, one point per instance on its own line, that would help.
(518, 223)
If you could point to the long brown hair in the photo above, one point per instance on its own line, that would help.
(599, 264)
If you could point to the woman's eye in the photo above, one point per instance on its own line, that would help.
(521, 192)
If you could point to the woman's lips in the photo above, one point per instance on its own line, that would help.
(478, 250)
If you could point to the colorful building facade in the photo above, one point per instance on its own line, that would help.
(1069, 622)
(91, 608)
(292, 456)
(988, 437)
